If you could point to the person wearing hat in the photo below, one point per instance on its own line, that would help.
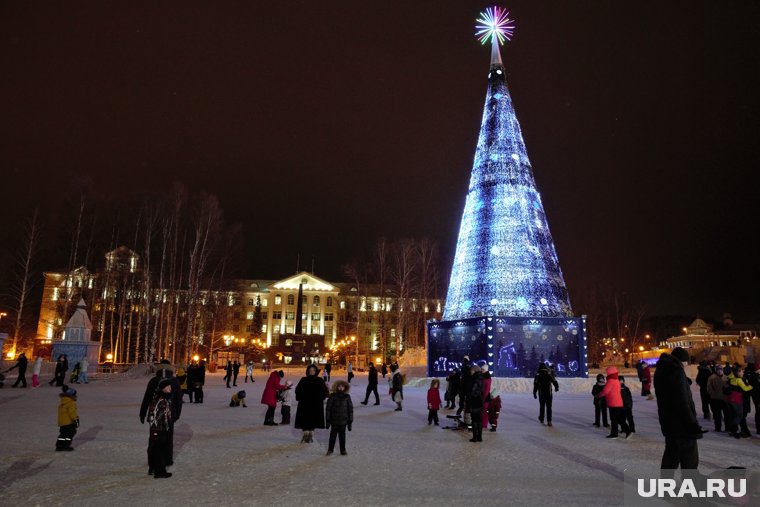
(716, 384)
(161, 424)
(612, 395)
(600, 404)
(269, 396)
(68, 418)
(237, 399)
(371, 385)
(311, 392)
(677, 415)
(703, 373)
(21, 364)
(751, 378)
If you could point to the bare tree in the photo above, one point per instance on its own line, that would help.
(403, 272)
(24, 264)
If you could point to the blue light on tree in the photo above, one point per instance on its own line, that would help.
(505, 262)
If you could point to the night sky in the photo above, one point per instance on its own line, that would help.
(323, 126)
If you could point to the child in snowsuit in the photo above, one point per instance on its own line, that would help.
(161, 424)
(600, 404)
(542, 389)
(433, 402)
(284, 398)
(627, 404)
(339, 414)
(68, 418)
(493, 412)
(237, 399)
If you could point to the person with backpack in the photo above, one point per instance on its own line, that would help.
(542, 389)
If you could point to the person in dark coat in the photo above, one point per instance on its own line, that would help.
(475, 403)
(21, 364)
(600, 404)
(328, 369)
(235, 372)
(200, 381)
(452, 388)
(371, 385)
(175, 404)
(397, 387)
(677, 414)
(465, 385)
(311, 392)
(703, 373)
(61, 366)
(161, 423)
(542, 389)
(228, 374)
(384, 370)
(625, 393)
(339, 415)
(752, 379)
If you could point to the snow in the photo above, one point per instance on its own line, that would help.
(226, 455)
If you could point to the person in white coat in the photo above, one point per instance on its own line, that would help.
(36, 368)
(83, 365)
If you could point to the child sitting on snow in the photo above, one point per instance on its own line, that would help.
(237, 399)
(284, 398)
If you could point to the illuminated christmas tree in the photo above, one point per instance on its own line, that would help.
(505, 262)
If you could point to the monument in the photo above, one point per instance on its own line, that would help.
(76, 342)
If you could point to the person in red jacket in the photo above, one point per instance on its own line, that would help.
(269, 396)
(646, 381)
(434, 402)
(613, 397)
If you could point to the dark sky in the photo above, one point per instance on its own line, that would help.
(325, 125)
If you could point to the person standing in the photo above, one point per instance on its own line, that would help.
(269, 396)
(735, 400)
(161, 424)
(350, 368)
(433, 401)
(486, 393)
(452, 388)
(339, 415)
(397, 387)
(600, 404)
(36, 369)
(612, 395)
(752, 379)
(475, 403)
(384, 370)
(249, 371)
(68, 418)
(625, 393)
(703, 373)
(21, 364)
(311, 392)
(677, 414)
(371, 385)
(464, 388)
(328, 369)
(646, 383)
(228, 374)
(83, 365)
(58, 373)
(235, 372)
(284, 398)
(716, 384)
(164, 372)
(542, 389)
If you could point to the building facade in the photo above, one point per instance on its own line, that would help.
(133, 317)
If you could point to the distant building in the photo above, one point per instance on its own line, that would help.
(124, 315)
(730, 342)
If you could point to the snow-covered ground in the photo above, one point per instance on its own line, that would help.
(226, 455)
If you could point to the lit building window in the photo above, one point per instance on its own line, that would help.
(290, 316)
(342, 305)
(316, 301)
(55, 293)
(264, 302)
(263, 328)
(316, 316)
(249, 316)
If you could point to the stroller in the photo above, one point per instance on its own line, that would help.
(75, 374)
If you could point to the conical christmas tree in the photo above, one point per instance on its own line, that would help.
(505, 262)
